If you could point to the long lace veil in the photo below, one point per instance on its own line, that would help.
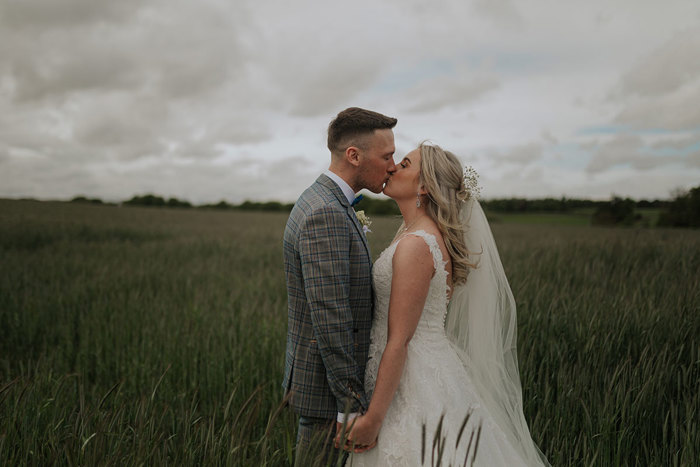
(481, 323)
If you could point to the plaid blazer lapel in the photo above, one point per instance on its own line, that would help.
(351, 213)
(335, 189)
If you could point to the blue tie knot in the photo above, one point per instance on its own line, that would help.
(356, 200)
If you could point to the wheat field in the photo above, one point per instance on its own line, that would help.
(136, 336)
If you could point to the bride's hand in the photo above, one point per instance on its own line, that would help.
(363, 434)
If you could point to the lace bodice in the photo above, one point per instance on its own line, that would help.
(432, 320)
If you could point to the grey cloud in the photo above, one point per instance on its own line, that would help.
(42, 176)
(53, 48)
(677, 111)
(36, 81)
(301, 74)
(548, 137)
(535, 174)
(448, 92)
(499, 11)
(89, 82)
(240, 179)
(680, 143)
(323, 91)
(193, 151)
(43, 14)
(113, 128)
(237, 131)
(520, 155)
(667, 69)
(28, 131)
(633, 150)
(684, 145)
(518, 182)
(693, 160)
(150, 55)
(620, 150)
(662, 89)
(524, 154)
(638, 185)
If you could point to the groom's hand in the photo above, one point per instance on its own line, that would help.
(359, 449)
(362, 434)
(339, 432)
(347, 444)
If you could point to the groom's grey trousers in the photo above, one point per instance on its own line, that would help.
(315, 443)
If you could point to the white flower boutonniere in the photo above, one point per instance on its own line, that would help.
(364, 220)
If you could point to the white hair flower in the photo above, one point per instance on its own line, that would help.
(471, 183)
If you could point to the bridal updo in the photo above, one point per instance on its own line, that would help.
(442, 176)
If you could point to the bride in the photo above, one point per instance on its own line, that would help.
(443, 370)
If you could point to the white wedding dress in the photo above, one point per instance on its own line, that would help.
(434, 383)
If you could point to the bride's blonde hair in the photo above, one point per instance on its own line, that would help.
(442, 176)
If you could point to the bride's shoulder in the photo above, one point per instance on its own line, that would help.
(412, 253)
(418, 243)
(430, 236)
(435, 242)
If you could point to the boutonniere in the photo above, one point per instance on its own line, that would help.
(364, 220)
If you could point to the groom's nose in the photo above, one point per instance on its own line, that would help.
(392, 167)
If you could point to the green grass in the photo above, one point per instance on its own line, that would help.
(574, 219)
(649, 215)
(156, 336)
(578, 217)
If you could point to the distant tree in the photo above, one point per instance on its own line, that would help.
(683, 210)
(616, 212)
(220, 205)
(506, 205)
(522, 205)
(146, 200)
(271, 206)
(83, 199)
(656, 204)
(266, 206)
(176, 203)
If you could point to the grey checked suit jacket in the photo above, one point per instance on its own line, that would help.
(329, 291)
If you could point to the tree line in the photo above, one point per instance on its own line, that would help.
(151, 200)
(681, 211)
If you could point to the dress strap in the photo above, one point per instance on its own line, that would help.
(432, 243)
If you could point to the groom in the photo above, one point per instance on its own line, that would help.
(329, 284)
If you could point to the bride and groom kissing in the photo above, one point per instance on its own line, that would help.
(424, 339)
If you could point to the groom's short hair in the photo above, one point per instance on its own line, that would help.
(351, 125)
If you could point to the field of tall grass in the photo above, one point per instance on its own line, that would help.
(156, 336)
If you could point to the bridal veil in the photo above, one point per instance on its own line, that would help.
(481, 323)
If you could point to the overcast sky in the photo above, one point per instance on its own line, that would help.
(230, 99)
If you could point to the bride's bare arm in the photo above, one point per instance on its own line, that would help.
(413, 268)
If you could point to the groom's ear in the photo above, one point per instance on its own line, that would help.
(352, 155)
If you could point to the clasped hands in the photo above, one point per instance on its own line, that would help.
(360, 436)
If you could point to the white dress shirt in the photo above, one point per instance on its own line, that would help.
(347, 190)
